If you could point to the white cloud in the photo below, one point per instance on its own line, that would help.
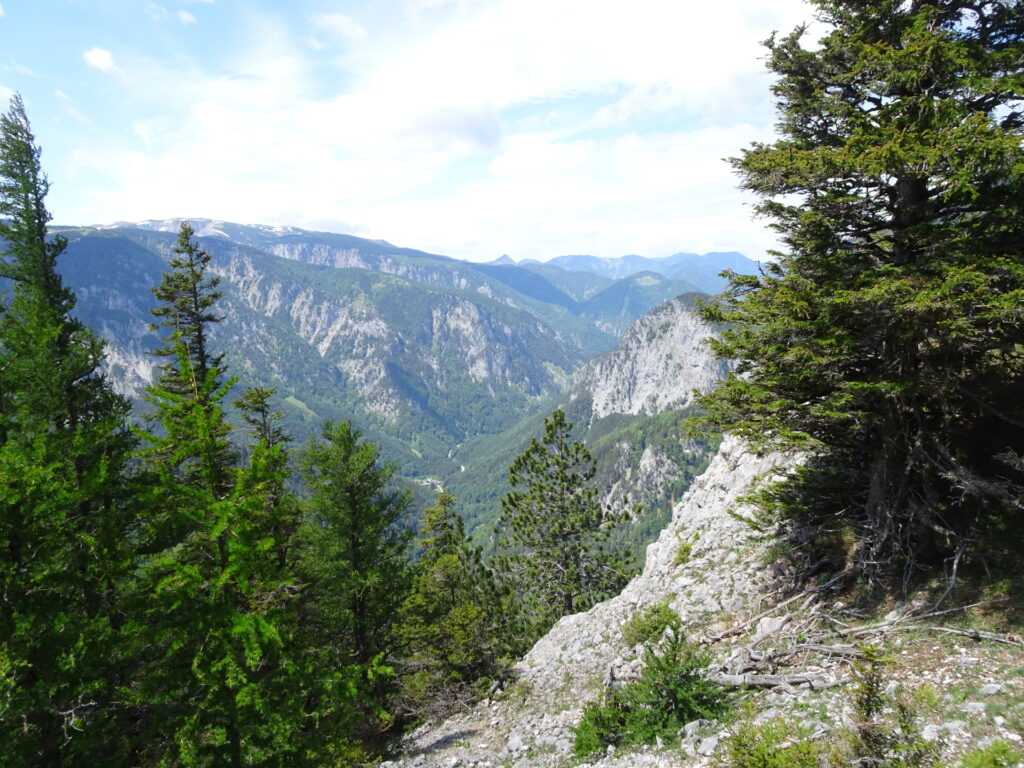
(61, 95)
(5, 93)
(157, 12)
(186, 18)
(340, 25)
(468, 128)
(101, 59)
(3, 13)
(77, 115)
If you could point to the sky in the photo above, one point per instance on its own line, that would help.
(471, 128)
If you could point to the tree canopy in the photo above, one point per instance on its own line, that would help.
(886, 340)
(553, 529)
(63, 488)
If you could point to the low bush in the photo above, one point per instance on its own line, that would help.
(649, 625)
(671, 692)
(998, 754)
(772, 744)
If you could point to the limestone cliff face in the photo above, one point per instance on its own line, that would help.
(719, 574)
(661, 359)
(418, 366)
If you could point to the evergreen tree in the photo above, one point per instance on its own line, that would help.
(354, 565)
(63, 514)
(454, 629)
(886, 340)
(553, 529)
(190, 388)
(219, 685)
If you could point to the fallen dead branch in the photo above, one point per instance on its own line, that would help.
(743, 627)
(789, 682)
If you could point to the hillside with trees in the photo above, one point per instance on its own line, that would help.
(841, 587)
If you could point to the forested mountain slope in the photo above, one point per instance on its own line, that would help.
(422, 351)
(629, 405)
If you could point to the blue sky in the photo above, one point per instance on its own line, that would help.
(471, 128)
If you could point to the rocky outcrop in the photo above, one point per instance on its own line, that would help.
(706, 564)
(661, 359)
(790, 651)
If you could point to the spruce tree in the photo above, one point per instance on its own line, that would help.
(885, 341)
(63, 512)
(354, 566)
(219, 684)
(455, 631)
(553, 530)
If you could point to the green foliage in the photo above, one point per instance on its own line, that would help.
(64, 512)
(998, 754)
(455, 629)
(773, 744)
(884, 734)
(553, 530)
(353, 560)
(650, 624)
(880, 738)
(219, 681)
(671, 692)
(886, 340)
(685, 549)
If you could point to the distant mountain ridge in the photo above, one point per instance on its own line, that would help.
(701, 270)
(422, 351)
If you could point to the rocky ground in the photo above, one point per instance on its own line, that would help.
(789, 651)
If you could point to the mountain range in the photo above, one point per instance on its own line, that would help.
(437, 360)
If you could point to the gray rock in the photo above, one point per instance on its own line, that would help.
(991, 689)
(708, 746)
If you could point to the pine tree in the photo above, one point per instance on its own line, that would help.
(63, 512)
(886, 340)
(220, 684)
(190, 388)
(354, 564)
(455, 631)
(553, 531)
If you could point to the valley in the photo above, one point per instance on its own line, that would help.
(448, 366)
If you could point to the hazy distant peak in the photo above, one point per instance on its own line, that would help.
(203, 227)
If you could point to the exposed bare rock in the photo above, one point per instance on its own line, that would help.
(661, 359)
(720, 575)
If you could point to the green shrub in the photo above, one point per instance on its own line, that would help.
(649, 625)
(685, 549)
(671, 692)
(773, 744)
(881, 738)
(998, 754)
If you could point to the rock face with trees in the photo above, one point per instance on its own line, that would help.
(168, 600)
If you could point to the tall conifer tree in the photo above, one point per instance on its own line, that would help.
(554, 530)
(354, 564)
(218, 687)
(454, 631)
(887, 339)
(63, 448)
